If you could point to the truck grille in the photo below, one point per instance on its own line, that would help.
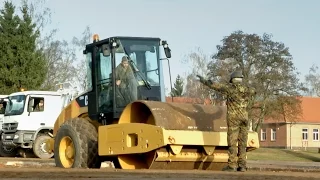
(9, 127)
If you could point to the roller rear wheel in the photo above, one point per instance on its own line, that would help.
(76, 145)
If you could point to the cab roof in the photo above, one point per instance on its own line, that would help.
(36, 93)
(106, 40)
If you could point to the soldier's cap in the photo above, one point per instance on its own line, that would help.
(125, 58)
(236, 74)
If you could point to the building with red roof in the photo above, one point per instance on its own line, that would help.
(301, 134)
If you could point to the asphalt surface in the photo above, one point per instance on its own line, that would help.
(59, 173)
(252, 165)
(20, 168)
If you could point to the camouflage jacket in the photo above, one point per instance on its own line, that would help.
(2, 110)
(125, 75)
(38, 108)
(237, 95)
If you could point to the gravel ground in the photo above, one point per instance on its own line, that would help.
(58, 173)
(18, 168)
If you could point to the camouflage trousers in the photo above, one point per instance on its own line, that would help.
(237, 133)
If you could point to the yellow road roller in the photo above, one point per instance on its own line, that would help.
(123, 116)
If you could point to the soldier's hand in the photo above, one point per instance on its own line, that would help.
(118, 82)
(204, 81)
(201, 78)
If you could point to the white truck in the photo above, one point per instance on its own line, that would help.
(29, 120)
(3, 104)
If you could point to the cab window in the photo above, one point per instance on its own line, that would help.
(36, 104)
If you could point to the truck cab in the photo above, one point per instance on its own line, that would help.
(29, 120)
(3, 104)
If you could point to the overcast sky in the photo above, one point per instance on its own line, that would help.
(190, 24)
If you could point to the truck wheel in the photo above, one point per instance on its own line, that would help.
(38, 147)
(7, 151)
(76, 145)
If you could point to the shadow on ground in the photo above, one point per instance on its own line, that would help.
(302, 155)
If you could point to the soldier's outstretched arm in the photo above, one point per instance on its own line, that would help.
(213, 85)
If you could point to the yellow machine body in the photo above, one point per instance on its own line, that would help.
(162, 135)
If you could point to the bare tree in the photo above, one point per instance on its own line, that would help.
(81, 65)
(267, 66)
(59, 55)
(313, 81)
(60, 58)
(198, 62)
(39, 12)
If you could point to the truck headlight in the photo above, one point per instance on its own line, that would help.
(27, 137)
(16, 136)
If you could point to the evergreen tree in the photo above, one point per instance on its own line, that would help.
(9, 23)
(22, 65)
(177, 91)
(32, 63)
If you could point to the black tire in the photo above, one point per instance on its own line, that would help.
(26, 153)
(85, 144)
(7, 152)
(37, 147)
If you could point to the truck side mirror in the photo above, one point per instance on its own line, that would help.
(30, 106)
(167, 51)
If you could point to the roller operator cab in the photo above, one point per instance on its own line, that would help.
(123, 116)
(142, 81)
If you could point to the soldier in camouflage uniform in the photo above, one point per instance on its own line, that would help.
(126, 83)
(237, 95)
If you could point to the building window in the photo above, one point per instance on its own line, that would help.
(273, 134)
(316, 134)
(263, 135)
(304, 134)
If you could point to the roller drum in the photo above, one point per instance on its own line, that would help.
(176, 116)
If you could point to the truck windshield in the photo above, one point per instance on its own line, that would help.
(3, 105)
(15, 105)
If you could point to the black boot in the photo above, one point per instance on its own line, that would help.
(228, 168)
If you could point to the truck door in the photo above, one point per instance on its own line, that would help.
(36, 109)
